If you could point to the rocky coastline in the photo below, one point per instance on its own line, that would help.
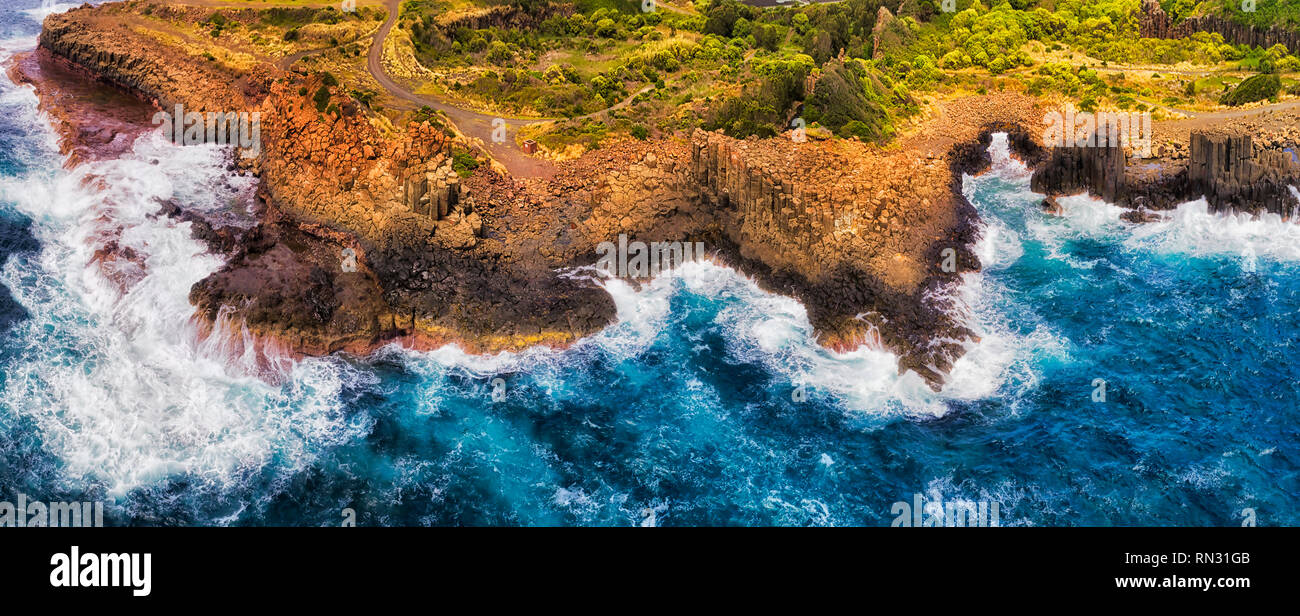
(367, 237)
(1228, 167)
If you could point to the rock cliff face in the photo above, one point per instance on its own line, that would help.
(1154, 22)
(1095, 170)
(116, 55)
(506, 17)
(1234, 176)
(1227, 169)
(858, 237)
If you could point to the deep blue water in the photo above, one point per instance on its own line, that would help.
(683, 409)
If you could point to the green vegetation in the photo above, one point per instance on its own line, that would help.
(1257, 88)
(760, 107)
(1267, 13)
(463, 163)
(215, 23)
(747, 71)
(850, 101)
(427, 114)
(321, 98)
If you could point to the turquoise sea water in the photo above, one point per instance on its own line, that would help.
(680, 414)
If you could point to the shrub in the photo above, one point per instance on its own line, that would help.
(463, 163)
(1257, 88)
(500, 53)
(848, 99)
(640, 132)
(322, 98)
(759, 109)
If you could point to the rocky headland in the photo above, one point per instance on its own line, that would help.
(369, 236)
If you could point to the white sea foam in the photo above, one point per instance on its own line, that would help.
(774, 331)
(115, 379)
(1193, 230)
(999, 246)
(39, 13)
(14, 45)
(1004, 165)
(767, 328)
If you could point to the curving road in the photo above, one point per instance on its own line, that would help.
(472, 124)
(475, 124)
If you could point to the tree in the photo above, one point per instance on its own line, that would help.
(767, 36)
(499, 53)
(722, 16)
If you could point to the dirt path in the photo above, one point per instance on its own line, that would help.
(1232, 114)
(472, 124)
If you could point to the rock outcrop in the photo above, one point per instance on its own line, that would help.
(121, 57)
(1227, 169)
(1154, 22)
(1234, 176)
(858, 237)
(1098, 170)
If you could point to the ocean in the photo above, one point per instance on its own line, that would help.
(1126, 375)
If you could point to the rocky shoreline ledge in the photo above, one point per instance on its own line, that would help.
(1245, 164)
(871, 240)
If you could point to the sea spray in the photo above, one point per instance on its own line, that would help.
(121, 391)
